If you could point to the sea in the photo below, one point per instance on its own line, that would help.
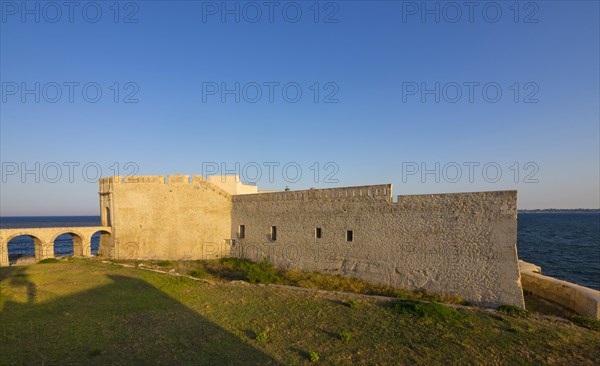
(565, 244)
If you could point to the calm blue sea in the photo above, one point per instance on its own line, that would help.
(565, 244)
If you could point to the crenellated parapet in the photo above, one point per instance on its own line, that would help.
(108, 184)
(496, 203)
(380, 192)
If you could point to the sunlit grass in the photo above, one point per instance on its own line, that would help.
(108, 314)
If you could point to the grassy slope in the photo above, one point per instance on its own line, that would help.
(84, 312)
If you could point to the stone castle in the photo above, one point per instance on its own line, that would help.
(463, 243)
(454, 244)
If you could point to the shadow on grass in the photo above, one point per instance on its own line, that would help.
(122, 323)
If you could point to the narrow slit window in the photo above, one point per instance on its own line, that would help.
(273, 233)
(349, 235)
(242, 232)
(318, 233)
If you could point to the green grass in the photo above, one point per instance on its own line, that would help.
(430, 311)
(351, 303)
(92, 313)
(164, 264)
(514, 311)
(198, 273)
(48, 260)
(586, 322)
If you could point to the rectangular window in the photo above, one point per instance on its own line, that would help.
(349, 235)
(273, 233)
(242, 232)
(318, 233)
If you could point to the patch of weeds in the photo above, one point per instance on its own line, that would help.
(261, 272)
(423, 310)
(262, 337)
(514, 311)
(48, 260)
(231, 268)
(345, 336)
(199, 273)
(584, 321)
(314, 356)
(164, 264)
(424, 294)
(351, 303)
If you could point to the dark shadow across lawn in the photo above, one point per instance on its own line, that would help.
(127, 322)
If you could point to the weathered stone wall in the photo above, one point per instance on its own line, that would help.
(172, 219)
(448, 243)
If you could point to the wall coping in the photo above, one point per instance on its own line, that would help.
(106, 184)
(581, 299)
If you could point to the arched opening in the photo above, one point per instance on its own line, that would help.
(100, 243)
(68, 244)
(23, 249)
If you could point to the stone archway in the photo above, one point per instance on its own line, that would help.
(21, 246)
(100, 243)
(44, 239)
(69, 244)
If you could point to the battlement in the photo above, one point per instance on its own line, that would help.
(504, 202)
(107, 184)
(380, 192)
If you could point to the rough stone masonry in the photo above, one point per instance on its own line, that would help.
(463, 243)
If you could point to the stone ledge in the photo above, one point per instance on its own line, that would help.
(582, 300)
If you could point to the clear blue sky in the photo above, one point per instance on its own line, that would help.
(373, 54)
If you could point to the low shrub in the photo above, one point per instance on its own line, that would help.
(314, 356)
(514, 311)
(261, 272)
(431, 310)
